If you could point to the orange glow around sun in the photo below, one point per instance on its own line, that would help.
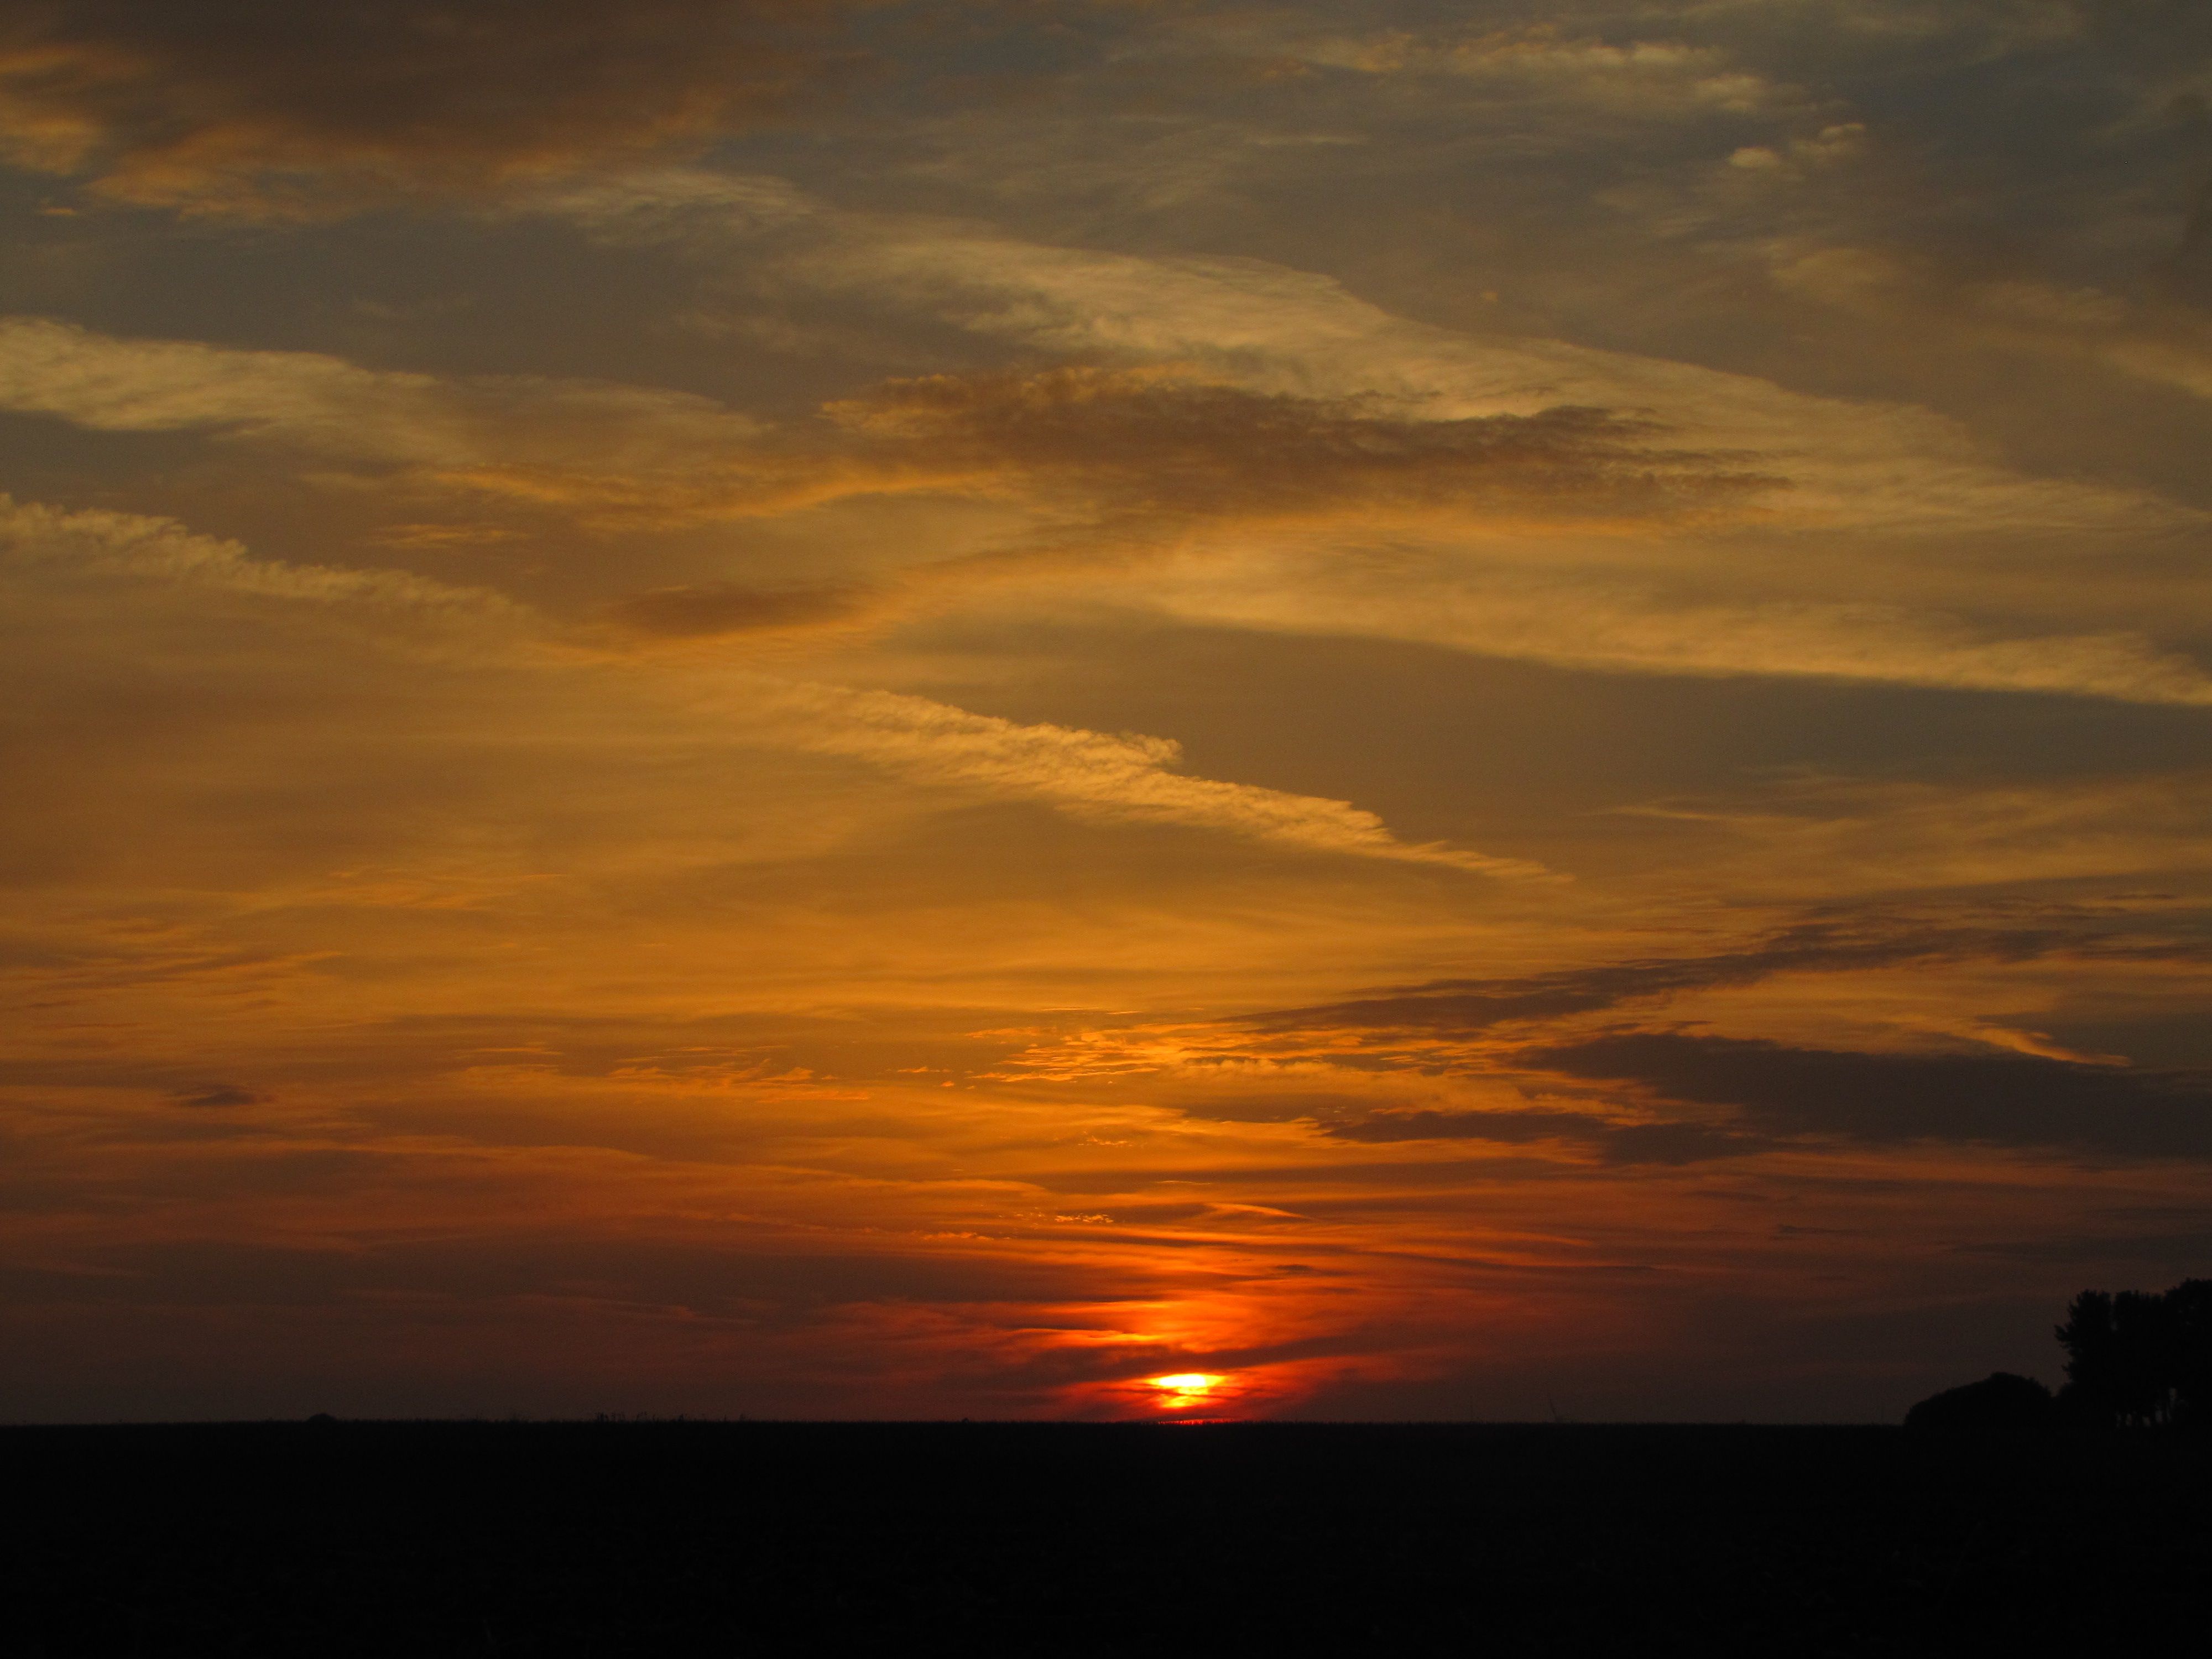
(1186, 1388)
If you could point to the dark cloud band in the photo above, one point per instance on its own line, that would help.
(266, 106)
(1994, 1099)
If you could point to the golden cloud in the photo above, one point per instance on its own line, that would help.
(2164, 343)
(1498, 525)
(1095, 776)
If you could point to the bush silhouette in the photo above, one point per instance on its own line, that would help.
(2000, 1402)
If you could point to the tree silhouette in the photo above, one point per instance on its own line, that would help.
(2142, 1358)
(2189, 1306)
(2139, 1360)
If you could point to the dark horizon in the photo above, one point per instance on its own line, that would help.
(1093, 1538)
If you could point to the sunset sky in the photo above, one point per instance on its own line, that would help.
(1091, 708)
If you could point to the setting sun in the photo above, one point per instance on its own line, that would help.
(1187, 1388)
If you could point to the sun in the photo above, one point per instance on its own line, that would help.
(1186, 1388)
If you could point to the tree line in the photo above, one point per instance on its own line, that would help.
(2136, 1359)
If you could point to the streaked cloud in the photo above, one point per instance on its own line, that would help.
(1133, 460)
(329, 406)
(1470, 1005)
(1126, 778)
(2166, 344)
(1638, 76)
(67, 544)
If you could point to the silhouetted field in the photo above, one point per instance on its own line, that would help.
(677, 1537)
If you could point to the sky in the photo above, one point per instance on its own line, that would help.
(913, 709)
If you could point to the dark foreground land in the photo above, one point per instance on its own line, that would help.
(677, 1538)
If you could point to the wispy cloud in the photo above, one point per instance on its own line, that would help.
(1124, 777)
(67, 546)
(1117, 778)
(2166, 344)
(1251, 490)
(1469, 1007)
(1599, 620)
(1263, 392)
(331, 407)
(1642, 77)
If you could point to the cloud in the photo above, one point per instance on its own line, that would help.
(65, 546)
(710, 609)
(1342, 470)
(1894, 1099)
(1541, 61)
(1615, 1142)
(1125, 778)
(611, 456)
(1254, 490)
(1801, 157)
(1159, 441)
(1603, 620)
(108, 383)
(1273, 328)
(1444, 1061)
(1465, 1006)
(216, 1095)
(1896, 834)
(1773, 1090)
(263, 106)
(1862, 464)
(1151, 441)
(2163, 344)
